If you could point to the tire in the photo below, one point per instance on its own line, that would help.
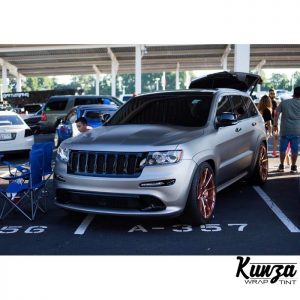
(259, 175)
(57, 141)
(202, 196)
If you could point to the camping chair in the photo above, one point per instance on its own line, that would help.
(25, 190)
(18, 170)
(47, 149)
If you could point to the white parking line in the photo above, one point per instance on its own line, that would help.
(276, 210)
(84, 224)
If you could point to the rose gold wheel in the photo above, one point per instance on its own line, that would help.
(202, 196)
(206, 193)
(259, 174)
(263, 163)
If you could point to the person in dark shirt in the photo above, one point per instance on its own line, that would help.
(265, 108)
(275, 130)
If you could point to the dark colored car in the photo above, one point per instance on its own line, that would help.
(33, 121)
(95, 115)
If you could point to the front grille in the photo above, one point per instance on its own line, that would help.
(105, 164)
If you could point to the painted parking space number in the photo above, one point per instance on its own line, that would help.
(15, 229)
(188, 228)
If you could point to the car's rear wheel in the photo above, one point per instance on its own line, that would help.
(202, 197)
(260, 173)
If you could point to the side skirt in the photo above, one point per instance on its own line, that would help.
(228, 183)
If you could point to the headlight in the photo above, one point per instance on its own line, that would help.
(162, 158)
(63, 154)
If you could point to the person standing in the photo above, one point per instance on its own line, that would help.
(275, 129)
(289, 128)
(265, 108)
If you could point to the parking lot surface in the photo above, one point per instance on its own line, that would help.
(247, 221)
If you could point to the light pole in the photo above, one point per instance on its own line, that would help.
(156, 83)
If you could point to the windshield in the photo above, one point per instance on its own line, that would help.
(10, 120)
(179, 109)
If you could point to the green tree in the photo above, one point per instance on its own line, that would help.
(38, 84)
(124, 83)
(296, 78)
(33, 84)
(149, 82)
(277, 81)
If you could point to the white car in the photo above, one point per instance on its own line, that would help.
(15, 135)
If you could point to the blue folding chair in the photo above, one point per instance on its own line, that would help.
(47, 149)
(23, 192)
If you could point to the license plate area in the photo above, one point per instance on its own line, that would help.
(6, 136)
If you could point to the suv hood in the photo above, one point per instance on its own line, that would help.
(132, 138)
(244, 82)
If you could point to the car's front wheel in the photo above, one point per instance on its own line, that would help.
(260, 173)
(202, 197)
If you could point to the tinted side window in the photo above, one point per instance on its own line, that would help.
(56, 105)
(84, 101)
(224, 105)
(250, 107)
(239, 107)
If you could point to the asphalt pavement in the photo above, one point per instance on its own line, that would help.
(247, 221)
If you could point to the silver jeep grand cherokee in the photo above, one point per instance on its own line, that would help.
(168, 153)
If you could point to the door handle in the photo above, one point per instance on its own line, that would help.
(238, 129)
(254, 124)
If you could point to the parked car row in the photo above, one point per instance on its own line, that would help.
(160, 154)
(59, 106)
(59, 114)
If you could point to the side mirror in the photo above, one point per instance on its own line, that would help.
(226, 119)
(105, 117)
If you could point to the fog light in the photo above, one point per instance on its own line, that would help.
(158, 183)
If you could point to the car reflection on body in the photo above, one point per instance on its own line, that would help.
(95, 114)
(167, 153)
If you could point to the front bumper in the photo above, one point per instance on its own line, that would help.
(104, 192)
